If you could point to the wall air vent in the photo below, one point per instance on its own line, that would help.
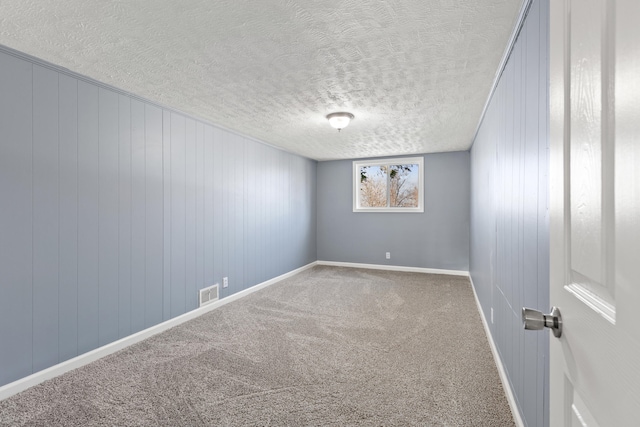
(208, 295)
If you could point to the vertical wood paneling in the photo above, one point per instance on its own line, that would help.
(239, 219)
(286, 213)
(117, 211)
(250, 216)
(154, 221)
(515, 128)
(138, 216)
(45, 218)
(88, 217)
(507, 161)
(283, 223)
(124, 216)
(260, 169)
(178, 230)
(218, 208)
(232, 185)
(208, 195)
(290, 256)
(227, 213)
(517, 230)
(166, 185)
(15, 218)
(190, 214)
(310, 230)
(258, 178)
(279, 209)
(276, 210)
(230, 212)
(267, 211)
(108, 137)
(68, 218)
(264, 210)
(270, 196)
(200, 156)
(297, 182)
(282, 186)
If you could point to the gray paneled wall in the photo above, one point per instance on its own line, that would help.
(437, 238)
(509, 214)
(114, 212)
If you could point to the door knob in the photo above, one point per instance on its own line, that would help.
(536, 320)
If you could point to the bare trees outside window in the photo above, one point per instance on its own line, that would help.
(388, 185)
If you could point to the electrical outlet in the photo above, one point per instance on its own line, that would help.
(491, 314)
(388, 255)
(225, 282)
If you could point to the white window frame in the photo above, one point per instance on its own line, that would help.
(357, 164)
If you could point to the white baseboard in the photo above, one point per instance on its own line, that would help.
(91, 356)
(395, 268)
(517, 417)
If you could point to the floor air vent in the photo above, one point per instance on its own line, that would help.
(208, 295)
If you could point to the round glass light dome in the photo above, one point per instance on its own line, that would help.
(339, 120)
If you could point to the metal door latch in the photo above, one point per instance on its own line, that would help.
(536, 320)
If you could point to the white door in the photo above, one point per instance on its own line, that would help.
(595, 212)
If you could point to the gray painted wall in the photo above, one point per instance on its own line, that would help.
(509, 214)
(115, 211)
(437, 238)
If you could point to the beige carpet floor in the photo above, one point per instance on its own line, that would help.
(328, 347)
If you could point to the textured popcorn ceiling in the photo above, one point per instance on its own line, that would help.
(415, 73)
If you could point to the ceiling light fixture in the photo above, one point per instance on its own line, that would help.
(339, 120)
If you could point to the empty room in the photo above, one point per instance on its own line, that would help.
(327, 213)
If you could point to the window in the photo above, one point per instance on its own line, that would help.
(388, 185)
